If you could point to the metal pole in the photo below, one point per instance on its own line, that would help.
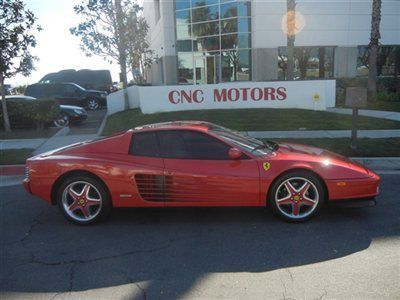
(353, 142)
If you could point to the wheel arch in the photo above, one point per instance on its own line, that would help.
(71, 173)
(298, 169)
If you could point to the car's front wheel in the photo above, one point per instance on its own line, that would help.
(296, 196)
(83, 200)
(93, 104)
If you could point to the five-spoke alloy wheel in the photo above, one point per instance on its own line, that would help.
(296, 196)
(83, 200)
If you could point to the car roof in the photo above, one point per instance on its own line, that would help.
(196, 125)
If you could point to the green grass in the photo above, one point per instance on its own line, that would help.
(28, 133)
(387, 147)
(15, 156)
(250, 119)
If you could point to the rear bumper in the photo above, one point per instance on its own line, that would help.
(349, 189)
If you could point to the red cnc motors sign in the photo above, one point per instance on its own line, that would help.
(313, 94)
(229, 94)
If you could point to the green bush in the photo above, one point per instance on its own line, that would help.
(27, 114)
(384, 85)
(387, 97)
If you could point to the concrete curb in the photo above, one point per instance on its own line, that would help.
(103, 123)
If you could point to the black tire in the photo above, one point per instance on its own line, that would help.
(96, 191)
(93, 104)
(62, 120)
(307, 203)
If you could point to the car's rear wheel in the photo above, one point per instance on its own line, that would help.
(297, 196)
(83, 200)
(93, 103)
(62, 120)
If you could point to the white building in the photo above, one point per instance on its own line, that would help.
(213, 41)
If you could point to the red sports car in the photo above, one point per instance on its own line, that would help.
(193, 163)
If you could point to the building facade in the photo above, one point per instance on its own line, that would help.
(216, 41)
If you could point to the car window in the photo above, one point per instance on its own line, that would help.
(188, 144)
(144, 144)
(70, 90)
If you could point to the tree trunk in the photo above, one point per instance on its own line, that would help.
(6, 120)
(122, 49)
(290, 28)
(373, 46)
(321, 64)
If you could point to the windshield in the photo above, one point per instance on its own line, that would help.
(245, 142)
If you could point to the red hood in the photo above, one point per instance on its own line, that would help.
(290, 148)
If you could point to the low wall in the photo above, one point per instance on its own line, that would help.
(312, 94)
(116, 100)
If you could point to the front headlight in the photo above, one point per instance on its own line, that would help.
(78, 111)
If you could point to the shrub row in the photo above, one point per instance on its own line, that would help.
(28, 114)
(388, 88)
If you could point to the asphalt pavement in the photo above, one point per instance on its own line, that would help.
(206, 253)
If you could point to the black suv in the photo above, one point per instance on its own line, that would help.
(68, 93)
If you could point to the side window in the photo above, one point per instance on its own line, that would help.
(144, 144)
(69, 90)
(186, 144)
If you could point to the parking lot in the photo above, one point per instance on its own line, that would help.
(208, 253)
(91, 125)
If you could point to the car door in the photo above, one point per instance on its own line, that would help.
(198, 171)
(147, 168)
(69, 94)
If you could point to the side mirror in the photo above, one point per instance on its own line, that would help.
(235, 153)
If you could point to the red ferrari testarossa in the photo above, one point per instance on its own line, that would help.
(193, 163)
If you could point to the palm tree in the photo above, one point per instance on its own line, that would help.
(373, 45)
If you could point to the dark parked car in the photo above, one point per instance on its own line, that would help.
(68, 114)
(89, 79)
(68, 94)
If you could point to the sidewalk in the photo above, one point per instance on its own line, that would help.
(388, 115)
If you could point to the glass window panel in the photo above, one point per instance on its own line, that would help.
(182, 4)
(182, 17)
(183, 32)
(210, 43)
(185, 68)
(203, 14)
(244, 9)
(233, 41)
(235, 25)
(229, 10)
(184, 46)
(236, 65)
(244, 25)
(203, 2)
(204, 29)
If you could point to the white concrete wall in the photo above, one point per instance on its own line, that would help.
(116, 101)
(292, 94)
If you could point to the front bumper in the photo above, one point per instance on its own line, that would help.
(346, 189)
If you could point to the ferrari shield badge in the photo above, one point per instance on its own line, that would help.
(266, 166)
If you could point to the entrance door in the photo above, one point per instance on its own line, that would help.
(205, 70)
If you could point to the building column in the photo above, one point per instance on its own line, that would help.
(264, 64)
(170, 69)
(345, 64)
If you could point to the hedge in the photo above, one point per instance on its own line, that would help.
(31, 113)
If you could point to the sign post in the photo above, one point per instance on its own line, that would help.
(356, 97)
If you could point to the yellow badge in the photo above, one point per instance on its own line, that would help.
(266, 166)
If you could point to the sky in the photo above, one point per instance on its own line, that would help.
(57, 48)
